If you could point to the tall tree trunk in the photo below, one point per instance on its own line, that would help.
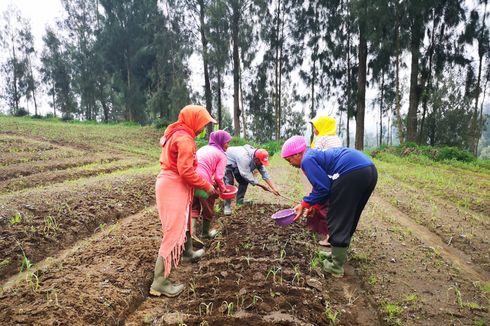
(414, 72)
(474, 120)
(397, 96)
(279, 99)
(220, 116)
(479, 126)
(54, 101)
(235, 21)
(244, 118)
(381, 109)
(361, 90)
(14, 70)
(349, 84)
(432, 121)
(427, 85)
(204, 42)
(33, 87)
(276, 70)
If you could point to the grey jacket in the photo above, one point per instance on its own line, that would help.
(242, 157)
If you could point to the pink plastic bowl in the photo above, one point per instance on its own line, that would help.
(229, 195)
(284, 217)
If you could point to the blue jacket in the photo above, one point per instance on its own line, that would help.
(322, 167)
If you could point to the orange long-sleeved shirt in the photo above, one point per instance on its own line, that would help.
(179, 155)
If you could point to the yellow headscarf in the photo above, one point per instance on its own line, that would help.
(325, 125)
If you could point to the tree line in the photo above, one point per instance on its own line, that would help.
(280, 60)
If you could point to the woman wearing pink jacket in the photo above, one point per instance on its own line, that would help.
(211, 167)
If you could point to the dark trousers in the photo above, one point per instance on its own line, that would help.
(204, 207)
(232, 174)
(348, 196)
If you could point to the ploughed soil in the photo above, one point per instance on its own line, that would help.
(85, 249)
(50, 220)
(254, 273)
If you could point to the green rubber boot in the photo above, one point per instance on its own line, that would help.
(336, 265)
(189, 254)
(208, 233)
(324, 255)
(161, 285)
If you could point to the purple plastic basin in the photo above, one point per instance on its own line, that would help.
(284, 217)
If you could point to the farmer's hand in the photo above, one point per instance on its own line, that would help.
(299, 209)
(275, 192)
(263, 187)
(212, 191)
(310, 211)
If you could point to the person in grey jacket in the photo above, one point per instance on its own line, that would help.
(242, 161)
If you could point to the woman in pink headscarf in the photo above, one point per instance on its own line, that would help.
(211, 167)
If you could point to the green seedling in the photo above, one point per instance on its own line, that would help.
(50, 225)
(392, 311)
(25, 263)
(273, 293)
(240, 300)
(411, 298)
(331, 314)
(247, 259)
(485, 287)
(192, 287)
(282, 255)
(208, 308)
(273, 270)
(217, 209)
(297, 275)
(230, 308)
(255, 299)
(479, 322)
(317, 259)
(16, 219)
(372, 280)
(247, 245)
(361, 257)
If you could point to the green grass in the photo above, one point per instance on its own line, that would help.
(105, 137)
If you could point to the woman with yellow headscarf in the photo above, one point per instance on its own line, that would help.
(324, 129)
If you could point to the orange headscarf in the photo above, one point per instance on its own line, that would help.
(191, 119)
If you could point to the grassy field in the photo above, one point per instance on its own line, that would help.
(79, 234)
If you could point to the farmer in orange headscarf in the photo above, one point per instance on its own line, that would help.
(174, 193)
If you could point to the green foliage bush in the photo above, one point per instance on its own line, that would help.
(21, 112)
(437, 154)
(272, 147)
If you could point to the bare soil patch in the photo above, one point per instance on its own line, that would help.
(53, 219)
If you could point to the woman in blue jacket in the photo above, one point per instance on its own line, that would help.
(344, 176)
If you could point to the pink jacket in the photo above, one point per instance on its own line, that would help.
(211, 165)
